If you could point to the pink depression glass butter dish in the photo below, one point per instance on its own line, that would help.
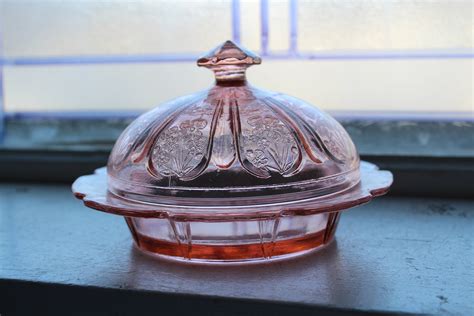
(232, 173)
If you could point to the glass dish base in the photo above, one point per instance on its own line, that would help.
(236, 241)
(242, 233)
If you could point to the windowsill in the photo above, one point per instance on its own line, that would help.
(392, 256)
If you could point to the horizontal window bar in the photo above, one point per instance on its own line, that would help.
(191, 57)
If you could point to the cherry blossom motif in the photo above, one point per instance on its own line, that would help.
(179, 149)
(266, 137)
(263, 142)
(269, 145)
(331, 135)
(134, 139)
(327, 134)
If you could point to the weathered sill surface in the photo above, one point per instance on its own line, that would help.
(394, 255)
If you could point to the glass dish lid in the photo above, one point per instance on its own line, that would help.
(232, 145)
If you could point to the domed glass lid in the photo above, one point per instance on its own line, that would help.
(232, 144)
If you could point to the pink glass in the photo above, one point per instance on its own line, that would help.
(233, 173)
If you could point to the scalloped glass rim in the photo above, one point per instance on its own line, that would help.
(248, 195)
(92, 189)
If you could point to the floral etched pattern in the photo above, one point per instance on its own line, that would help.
(179, 150)
(269, 144)
(254, 134)
(334, 138)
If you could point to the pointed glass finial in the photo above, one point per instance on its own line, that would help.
(229, 61)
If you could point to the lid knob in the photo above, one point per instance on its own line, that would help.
(229, 61)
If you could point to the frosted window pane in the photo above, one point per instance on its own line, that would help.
(61, 28)
(398, 85)
(366, 25)
(44, 28)
(278, 25)
(250, 24)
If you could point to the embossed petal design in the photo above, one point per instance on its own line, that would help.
(182, 148)
(267, 143)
